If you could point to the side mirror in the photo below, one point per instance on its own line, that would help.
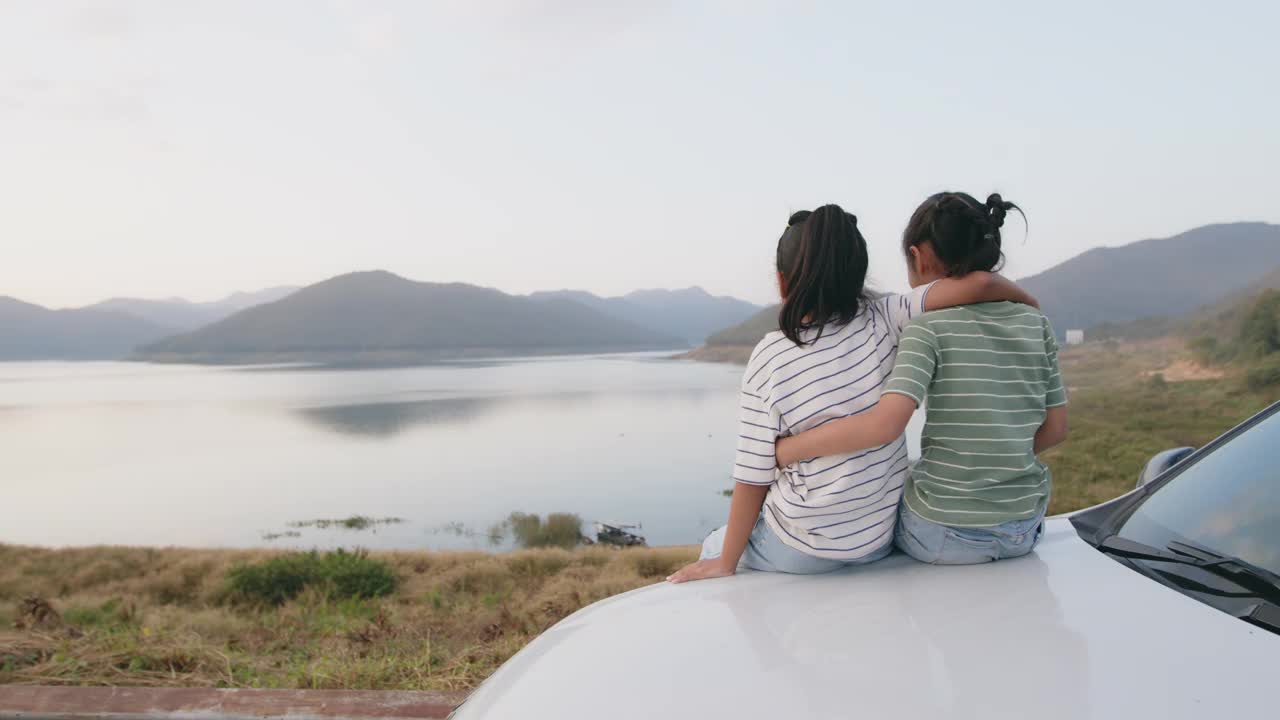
(1161, 462)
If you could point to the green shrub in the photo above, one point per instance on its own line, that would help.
(340, 574)
(108, 614)
(276, 580)
(559, 530)
(1206, 350)
(1264, 375)
(1260, 331)
(356, 575)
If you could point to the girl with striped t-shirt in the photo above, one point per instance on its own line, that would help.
(833, 352)
(988, 376)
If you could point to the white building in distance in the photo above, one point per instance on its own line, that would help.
(1075, 337)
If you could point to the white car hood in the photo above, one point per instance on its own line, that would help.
(1064, 633)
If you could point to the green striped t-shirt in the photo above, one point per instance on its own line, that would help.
(985, 374)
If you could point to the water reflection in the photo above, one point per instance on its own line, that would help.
(289, 368)
(388, 419)
(392, 418)
(212, 456)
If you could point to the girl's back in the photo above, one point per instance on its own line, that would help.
(986, 374)
(826, 364)
(840, 506)
(990, 375)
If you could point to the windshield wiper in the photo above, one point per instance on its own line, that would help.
(1184, 553)
(1227, 565)
(1124, 547)
(1259, 582)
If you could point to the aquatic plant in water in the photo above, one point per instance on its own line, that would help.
(355, 522)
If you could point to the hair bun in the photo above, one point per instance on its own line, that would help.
(997, 208)
(798, 217)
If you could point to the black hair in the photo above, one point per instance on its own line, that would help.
(965, 233)
(822, 259)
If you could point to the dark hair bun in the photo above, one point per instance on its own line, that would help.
(798, 217)
(964, 232)
(997, 208)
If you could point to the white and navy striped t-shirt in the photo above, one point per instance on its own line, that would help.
(841, 506)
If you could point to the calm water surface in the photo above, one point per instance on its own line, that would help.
(127, 453)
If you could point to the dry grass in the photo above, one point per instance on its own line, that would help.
(146, 616)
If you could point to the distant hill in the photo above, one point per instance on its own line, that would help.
(31, 332)
(237, 301)
(734, 344)
(381, 318)
(749, 331)
(690, 314)
(1153, 278)
(183, 315)
(1219, 320)
(1184, 284)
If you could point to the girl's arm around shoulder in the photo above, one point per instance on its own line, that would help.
(905, 390)
(881, 425)
(976, 287)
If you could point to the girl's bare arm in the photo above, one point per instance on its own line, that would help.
(743, 511)
(880, 425)
(976, 287)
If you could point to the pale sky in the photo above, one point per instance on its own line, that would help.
(196, 148)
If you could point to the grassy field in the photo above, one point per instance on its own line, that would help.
(1132, 400)
(444, 621)
(139, 616)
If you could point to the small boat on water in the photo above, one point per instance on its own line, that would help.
(619, 534)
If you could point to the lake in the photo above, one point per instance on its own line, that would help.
(139, 454)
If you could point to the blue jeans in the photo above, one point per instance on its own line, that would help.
(930, 542)
(766, 551)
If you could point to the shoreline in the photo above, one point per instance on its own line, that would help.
(355, 359)
(358, 360)
(353, 546)
(727, 354)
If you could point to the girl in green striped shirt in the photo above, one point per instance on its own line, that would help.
(988, 377)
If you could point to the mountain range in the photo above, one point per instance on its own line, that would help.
(690, 314)
(111, 329)
(1220, 319)
(1141, 289)
(1165, 277)
(31, 332)
(365, 318)
(180, 315)
(377, 317)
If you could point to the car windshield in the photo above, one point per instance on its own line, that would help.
(1227, 502)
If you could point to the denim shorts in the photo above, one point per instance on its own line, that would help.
(930, 542)
(766, 551)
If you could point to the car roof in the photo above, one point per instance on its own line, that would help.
(1063, 633)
